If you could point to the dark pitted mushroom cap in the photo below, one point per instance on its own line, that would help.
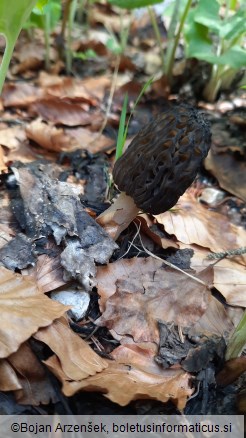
(163, 159)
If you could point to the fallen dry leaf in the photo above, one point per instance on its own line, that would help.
(20, 94)
(156, 234)
(229, 276)
(230, 172)
(123, 383)
(48, 272)
(8, 378)
(36, 387)
(160, 294)
(76, 359)
(12, 137)
(58, 139)
(89, 140)
(23, 310)
(231, 371)
(90, 90)
(61, 111)
(107, 276)
(192, 223)
(49, 137)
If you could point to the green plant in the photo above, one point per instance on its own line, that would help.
(133, 4)
(123, 127)
(86, 55)
(180, 11)
(216, 36)
(45, 18)
(13, 15)
(237, 340)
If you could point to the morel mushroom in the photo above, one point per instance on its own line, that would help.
(158, 166)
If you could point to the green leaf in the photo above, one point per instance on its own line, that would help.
(234, 26)
(52, 8)
(121, 132)
(113, 45)
(234, 57)
(40, 4)
(84, 56)
(133, 4)
(13, 15)
(198, 43)
(207, 13)
(237, 340)
(169, 9)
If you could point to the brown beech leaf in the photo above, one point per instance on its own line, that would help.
(229, 276)
(12, 137)
(122, 383)
(76, 358)
(192, 223)
(23, 310)
(8, 378)
(75, 89)
(161, 294)
(35, 388)
(61, 111)
(107, 276)
(156, 234)
(30, 55)
(20, 94)
(230, 172)
(48, 272)
(232, 369)
(89, 140)
(49, 137)
(142, 358)
(58, 139)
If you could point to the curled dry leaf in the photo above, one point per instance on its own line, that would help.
(49, 137)
(12, 137)
(20, 94)
(76, 359)
(121, 383)
(48, 272)
(231, 371)
(74, 88)
(160, 294)
(155, 233)
(107, 276)
(61, 111)
(192, 223)
(23, 310)
(8, 378)
(229, 276)
(58, 139)
(230, 172)
(36, 387)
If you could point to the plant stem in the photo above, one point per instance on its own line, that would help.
(171, 33)
(69, 54)
(157, 35)
(47, 40)
(238, 340)
(9, 48)
(176, 40)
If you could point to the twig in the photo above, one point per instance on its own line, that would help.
(174, 267)
(229, 253)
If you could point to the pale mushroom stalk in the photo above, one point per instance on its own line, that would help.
(158, 166)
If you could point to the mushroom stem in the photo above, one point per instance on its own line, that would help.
(118, 216)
